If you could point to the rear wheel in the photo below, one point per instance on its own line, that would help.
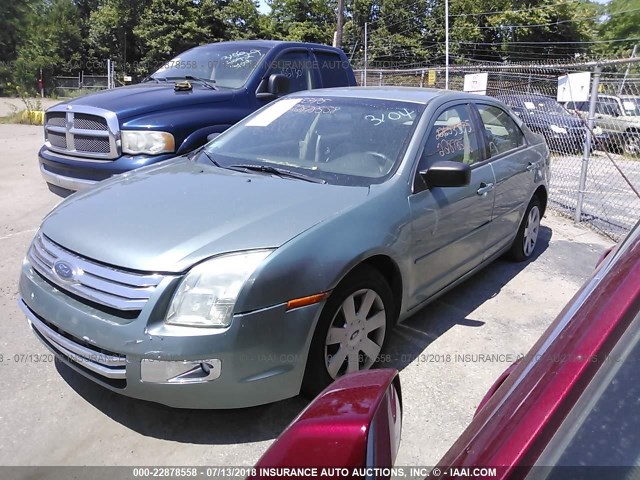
(631, 145)
(526, 239)
(352, 330)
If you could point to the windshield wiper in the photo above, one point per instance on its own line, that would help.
(203, 150)
(154, 79)
(208, 83)
(280, 172)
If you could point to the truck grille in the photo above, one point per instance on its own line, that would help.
(83, 131)
(106, 286)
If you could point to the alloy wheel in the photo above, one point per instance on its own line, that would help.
(356, 333)
(531, 231)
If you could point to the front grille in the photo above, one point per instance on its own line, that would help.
(107, 286)
(90, 144)
(76, 132)
(57, 139)
(56, 120)
(89, 122)
(107, 366)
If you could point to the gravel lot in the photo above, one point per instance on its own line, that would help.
(53, 416)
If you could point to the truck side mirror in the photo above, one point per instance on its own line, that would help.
(277, 86)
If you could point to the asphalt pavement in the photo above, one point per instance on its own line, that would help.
(448, 354)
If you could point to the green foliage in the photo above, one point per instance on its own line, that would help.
(65, 37)
(621, 23)
(53, 40)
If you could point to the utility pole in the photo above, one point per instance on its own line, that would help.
(337, 38)
(366, 47)
(626, 73)
(446, 44)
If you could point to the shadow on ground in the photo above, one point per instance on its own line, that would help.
(268, 421)
(415, 334)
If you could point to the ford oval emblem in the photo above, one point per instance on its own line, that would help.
(63, 270)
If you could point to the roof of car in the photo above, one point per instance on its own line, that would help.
(525, 96)
(271, 44)
(403, 94)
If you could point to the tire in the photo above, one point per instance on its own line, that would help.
(631, 145)
(347, 348)
(524, 245)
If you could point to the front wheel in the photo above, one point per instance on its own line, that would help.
(352, 329)
(527, 237)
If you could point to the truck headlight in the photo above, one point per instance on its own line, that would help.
(207, 295)
(147, 141)
(557, 129)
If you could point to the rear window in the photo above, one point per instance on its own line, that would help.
(332, 69)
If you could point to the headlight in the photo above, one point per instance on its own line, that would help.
(557, 129)
(153, 143)
(207, 295)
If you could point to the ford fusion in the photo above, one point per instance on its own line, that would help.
(280, 255)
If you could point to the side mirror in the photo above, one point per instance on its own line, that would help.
(447, 174)
(354, 423)
(213, 135)
(277, 85)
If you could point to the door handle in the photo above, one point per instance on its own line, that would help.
(531, 166)
(484, 188)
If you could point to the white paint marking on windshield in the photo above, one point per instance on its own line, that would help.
(275, 111)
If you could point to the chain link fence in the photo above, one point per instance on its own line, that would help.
(593, 132)
(81, 83)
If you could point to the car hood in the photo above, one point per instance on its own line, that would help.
(169, 216)
(144, 98)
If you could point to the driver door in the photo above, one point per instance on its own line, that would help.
(449, 225)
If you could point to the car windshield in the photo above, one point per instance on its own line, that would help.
(631, 106)
(541, 105)
(223, 65)
(338, 140)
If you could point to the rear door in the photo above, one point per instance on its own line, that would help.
(514, 164)
(449, 225)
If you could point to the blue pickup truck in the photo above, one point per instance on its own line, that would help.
(192, 97)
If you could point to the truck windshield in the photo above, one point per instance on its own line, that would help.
(631, 106)
(227, 66)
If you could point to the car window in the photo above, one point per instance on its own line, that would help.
(607, 106)
(341, 140)
(452, 137)
(501, 132)
(332, 70)
(296, 67)
(580, 106)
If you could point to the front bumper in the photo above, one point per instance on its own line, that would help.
(259, 359)
(72, 174)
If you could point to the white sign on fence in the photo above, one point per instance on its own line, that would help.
(476, 83)
(574, 87)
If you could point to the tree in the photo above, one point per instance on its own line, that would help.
(301, 20)
(111, 36)
(52, 43)
(13, 24)
(622, 22)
